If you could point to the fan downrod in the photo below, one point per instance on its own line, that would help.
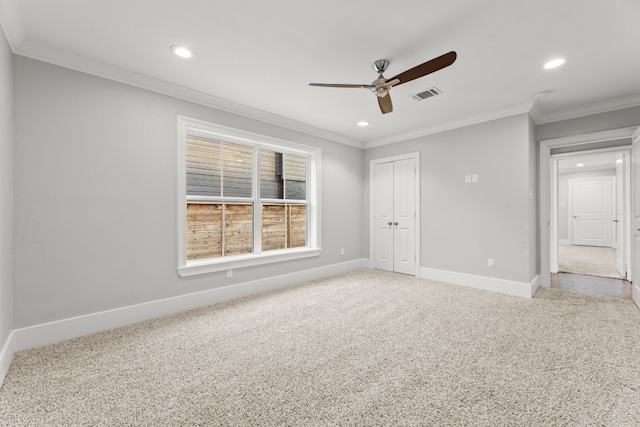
(380, 66)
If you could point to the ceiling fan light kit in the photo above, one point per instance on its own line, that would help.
(381, 86)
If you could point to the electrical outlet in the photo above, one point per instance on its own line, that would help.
(341, 251)
(229, 274)
(467, 179)
(491, 263)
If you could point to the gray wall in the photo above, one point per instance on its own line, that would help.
(589, 124)
(95, 195)
(6, 190)
(465, 224)
(563, 196)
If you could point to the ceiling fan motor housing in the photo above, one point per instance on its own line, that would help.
(380, 88)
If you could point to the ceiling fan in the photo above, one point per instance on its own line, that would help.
(381, 86)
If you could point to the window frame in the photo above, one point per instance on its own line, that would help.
(189, 126)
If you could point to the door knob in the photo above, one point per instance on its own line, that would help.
(395, 223)
(389, 223)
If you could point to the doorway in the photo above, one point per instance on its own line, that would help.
(395, 214)
(590, 212)
(585, 204)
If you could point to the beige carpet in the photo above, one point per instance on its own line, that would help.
(363, 348)
(589, 260)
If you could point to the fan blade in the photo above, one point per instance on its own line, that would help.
(341, 85)
(428, 67)
(385, 104)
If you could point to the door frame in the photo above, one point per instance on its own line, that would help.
(610, 179)
(372, 163)
(635, 291)
(622, 183)
(554, 217)
(547, 181)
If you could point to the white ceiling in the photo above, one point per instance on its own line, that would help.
(257, 57)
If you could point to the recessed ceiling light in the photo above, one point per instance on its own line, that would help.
(363, 123)
(580, 165)
(553, 64)
(182, 51)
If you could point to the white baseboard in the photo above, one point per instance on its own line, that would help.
(535, 284)
(509, 287)
(52, 332)
(564, 242)
(6, 355)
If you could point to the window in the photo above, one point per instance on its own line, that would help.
(244, 199)
(283, 190)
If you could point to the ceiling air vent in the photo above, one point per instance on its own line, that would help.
(432, 91)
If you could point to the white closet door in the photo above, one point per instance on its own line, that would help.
(394, 216)
(383, 216)
(404, 216)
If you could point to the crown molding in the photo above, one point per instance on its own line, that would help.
(39, 52)
(536, 112)
(455, 124)
(587, 110)
(11, 23)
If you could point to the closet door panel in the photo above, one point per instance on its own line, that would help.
(383, 217)
(404, 216)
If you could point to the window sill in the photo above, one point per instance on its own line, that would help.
(194, 268)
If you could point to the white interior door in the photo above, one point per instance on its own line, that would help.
(394, 216)
(635, 215)
(592, 215)
(404, 216)
(618, 222)
(383, 216)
